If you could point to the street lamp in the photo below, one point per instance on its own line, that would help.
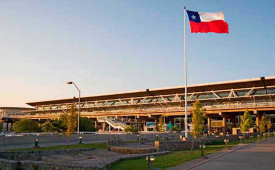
(80, 139)
(138, 138)
(226, 141)
(70, 82)
(240, 137)
(150, 159)
(173, 135)
(251, 137)
(202, 146)
(36, 143)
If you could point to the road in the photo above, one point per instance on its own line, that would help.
(255, 156)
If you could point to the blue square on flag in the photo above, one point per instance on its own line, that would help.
(193, 16)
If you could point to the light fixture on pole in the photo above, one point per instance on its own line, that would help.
(150, 159)
(70, 82)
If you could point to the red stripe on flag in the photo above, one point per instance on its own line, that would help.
(217, 26)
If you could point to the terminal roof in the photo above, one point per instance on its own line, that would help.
(236, 84)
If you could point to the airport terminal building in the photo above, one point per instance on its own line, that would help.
(224, 103)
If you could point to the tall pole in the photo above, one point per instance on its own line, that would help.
(78, 107)
(78, 116)
(78, 111)
(185, 66)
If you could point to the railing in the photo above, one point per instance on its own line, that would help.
(149, 110)
(181, 109)
(113, 123)
(240, 105)
(170, 99)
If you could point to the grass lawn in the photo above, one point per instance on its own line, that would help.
(166, 161)
(163, 162)
(102, 145)
(172, 159)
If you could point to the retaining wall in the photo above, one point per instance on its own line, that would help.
(18, 140)
(36, 155)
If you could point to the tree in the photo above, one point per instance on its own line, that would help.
(54, 125)
(71, 120)
(132, 128)
(247, 121)
(161, 125)
(174, 128)
(86, 124)
(47, 126)
(1, 126)
(64, 118)
(198, 114)
(26, 125)
(269, 125)
(262, 124)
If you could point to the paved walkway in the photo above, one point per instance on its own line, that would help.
(255, 156)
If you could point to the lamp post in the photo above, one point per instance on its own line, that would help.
(36, 143)
(173, 135)
(70, 82)
(226, 141)
(251, 137)
(150, 159)
(138, 138)
(80, 139)
(240, 137)
(202, 146)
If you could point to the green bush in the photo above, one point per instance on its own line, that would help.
(54, 125)
(174, 128)
(86, 124)
(1, 126)
(128, 129)
(215, 142)
(131, 128)
(26, 126)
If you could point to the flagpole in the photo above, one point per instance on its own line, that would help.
(185, 66)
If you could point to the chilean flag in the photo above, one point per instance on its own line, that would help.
(207, 22)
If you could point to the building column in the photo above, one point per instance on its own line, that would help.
(143, 125)
(156, 125)
(258, 117)
(11, 124)
(7, 126)
(103, 126)
(224, 124)
(209, 124)
(96, 124)
(234, 121)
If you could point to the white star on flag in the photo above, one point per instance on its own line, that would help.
(193, 17)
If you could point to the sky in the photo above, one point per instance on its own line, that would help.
(110, 46)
